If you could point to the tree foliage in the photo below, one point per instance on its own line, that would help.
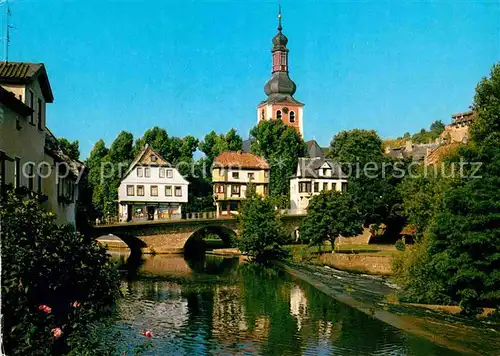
(44, 264)
(281, 146)
(458, 260)
(329, 215)
(70, 149)
(214, 144)
(356, 146)
(261, 233)
(372, 178)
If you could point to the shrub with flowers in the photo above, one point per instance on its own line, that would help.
(55, 281)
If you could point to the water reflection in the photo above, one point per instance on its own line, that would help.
(215, 305)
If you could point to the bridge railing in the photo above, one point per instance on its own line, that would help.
(202, 215)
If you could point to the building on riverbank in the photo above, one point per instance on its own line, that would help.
(151, 189)
(313, 176)
(30, 155)
(232, 173)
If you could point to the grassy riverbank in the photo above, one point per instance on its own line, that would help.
(358, 258)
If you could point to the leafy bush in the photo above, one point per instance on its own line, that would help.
(414, 273)
(54, 280)
(400, 245)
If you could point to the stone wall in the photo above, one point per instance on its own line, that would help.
(371, 264)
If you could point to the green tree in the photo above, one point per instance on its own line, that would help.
(93, 164)
(486, 106)
(459, 258)
(157, 138)
(437, 127)
(120, 151)
(356, 146)
(422, 196)
(70, 149)
(465, 236)
(329, 215)
(281, 146)
(174, 149)
(213, 144)
(261, 233)
(372, 175)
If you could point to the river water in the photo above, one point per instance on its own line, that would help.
(222, 306)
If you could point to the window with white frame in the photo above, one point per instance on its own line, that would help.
(130, 190)
(139, 172)
(170, 173)
(178, 191)
(147, 172)
(168, 190)
(162, 172)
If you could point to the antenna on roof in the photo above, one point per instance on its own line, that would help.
(7, 31)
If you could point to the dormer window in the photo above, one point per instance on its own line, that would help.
(153, 158)
(292, 116)
(278, 114)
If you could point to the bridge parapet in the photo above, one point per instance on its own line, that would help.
(170, 236)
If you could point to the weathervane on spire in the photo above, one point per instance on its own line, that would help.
(279, 18)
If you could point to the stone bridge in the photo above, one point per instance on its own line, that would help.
(174, 236)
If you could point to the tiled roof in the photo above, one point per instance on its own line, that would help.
(23, 73)
(315, 150)
(240, 159)
(309, 168)
(143, 159)
(19, 70)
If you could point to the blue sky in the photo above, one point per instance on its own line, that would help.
(194, 66)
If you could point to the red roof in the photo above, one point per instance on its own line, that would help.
(241, 160)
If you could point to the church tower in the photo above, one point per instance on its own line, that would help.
(280, 103)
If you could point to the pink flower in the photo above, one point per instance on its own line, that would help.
(57, 332)
(45, 308)
(147, 333)
(75, 304)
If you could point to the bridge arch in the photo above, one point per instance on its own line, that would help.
(195, 242)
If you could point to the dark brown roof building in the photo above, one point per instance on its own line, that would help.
(238, 159)
(25, 73)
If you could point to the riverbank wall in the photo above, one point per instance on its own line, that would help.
(360, 263)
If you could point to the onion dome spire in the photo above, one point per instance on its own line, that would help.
(280, 83)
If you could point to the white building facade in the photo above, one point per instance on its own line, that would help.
(151, 189)
(313, 176)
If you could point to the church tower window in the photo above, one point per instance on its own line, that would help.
(278, 114)
(292, 116)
